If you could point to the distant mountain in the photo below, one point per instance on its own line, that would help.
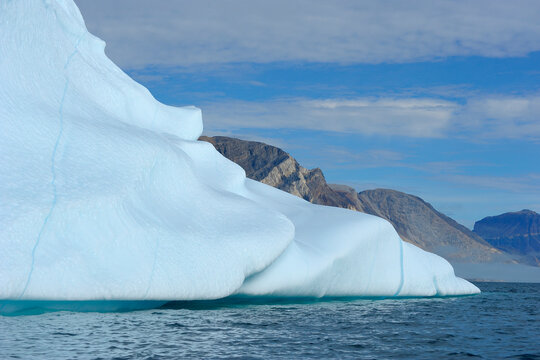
(517, 233)
(415, 220)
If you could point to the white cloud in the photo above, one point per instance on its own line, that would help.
(503, 117)
(488, 117)
(402, 117)
(184, 33)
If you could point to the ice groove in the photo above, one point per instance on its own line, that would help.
(53, 169)
(402, 274)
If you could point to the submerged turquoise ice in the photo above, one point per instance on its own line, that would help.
(106, 194)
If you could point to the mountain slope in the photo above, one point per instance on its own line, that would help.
(419, 223)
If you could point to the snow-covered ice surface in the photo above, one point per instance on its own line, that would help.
(106, 194)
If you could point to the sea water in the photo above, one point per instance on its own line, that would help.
(502, 322)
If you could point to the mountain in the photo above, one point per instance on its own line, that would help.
(416, 221)
(273, 166)
(517, 233)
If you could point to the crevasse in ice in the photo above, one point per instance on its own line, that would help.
(106, 194)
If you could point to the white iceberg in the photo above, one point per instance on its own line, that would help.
(106, 194)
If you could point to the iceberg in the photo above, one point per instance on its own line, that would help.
(106, 194)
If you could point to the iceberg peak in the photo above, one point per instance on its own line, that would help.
(106, 194)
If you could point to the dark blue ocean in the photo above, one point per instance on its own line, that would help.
(501, 323)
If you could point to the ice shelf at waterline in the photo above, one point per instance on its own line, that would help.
(106, 194)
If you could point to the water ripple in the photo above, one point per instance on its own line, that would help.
(502, 322)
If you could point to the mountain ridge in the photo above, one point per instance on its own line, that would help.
(517, 233)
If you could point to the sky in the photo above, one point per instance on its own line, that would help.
(440, 99)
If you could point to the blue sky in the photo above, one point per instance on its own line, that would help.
(440, 99)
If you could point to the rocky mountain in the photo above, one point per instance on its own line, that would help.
(517, 233)
(415, 220)
(274, 167)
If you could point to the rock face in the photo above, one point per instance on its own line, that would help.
(514, 232)
(415, 220)
(273, 166)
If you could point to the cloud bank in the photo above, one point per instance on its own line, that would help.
(185, 33)
(488, 117)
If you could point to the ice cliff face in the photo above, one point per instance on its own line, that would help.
(105, 193)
